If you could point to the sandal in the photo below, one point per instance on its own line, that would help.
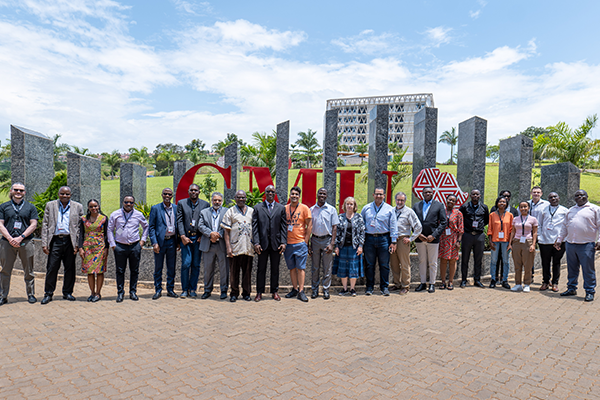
(450, 286)
(443, 286)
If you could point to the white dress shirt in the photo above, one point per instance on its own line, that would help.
(550, 219)
(581, 224)
(324, 219)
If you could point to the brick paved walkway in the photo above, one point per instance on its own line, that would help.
(482, 343)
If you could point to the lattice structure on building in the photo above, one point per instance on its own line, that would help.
(353, 118)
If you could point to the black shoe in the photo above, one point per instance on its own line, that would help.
(302, 296)
(463, 284)
(421, 287)
(3, 301)
(431, 289)
(478, 284)
(184, 294)
(69, 297)
(171, 293)
(31, 299)
(326, 294)
(157, 295)
(233, 299)
(223, 295)
(47, 299)
(292, 293)
(343, 292)
(96, 298)
(89, 299)
(133, 296)
(193, 294)
(120, 298)
(569, 292)
(314, 294)
(505, 285)
(589, 297)
(492, 284)
(368, 292)
(206, 295)
(247, 298)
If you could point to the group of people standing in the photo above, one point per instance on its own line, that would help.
(349, 245)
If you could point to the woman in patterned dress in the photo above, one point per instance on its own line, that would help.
(93, 247)
(349, 242)
(450, 242)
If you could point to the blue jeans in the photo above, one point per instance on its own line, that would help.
(581, 254)
(501, 247)
(168, 250)
(377, 249)
(190, 265)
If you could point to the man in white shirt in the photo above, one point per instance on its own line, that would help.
(551, 219)
(409, 229)
(536, 205)
(580, 231)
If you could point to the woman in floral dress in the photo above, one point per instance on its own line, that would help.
(450, 242)
(93, 247)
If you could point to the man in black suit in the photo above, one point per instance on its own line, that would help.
(475, 217)
(269, 236)
(432, 215)
(188, 215)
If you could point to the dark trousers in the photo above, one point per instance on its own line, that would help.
(377, 250)
(169, 251)
(243, 263)
(550, 255)
(61, 249)
(581, 255)
(475, 243)
(261, 274)
(123, 253)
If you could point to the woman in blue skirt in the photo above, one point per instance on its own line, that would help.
(349, 246)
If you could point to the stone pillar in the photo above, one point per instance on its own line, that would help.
(424, 142)
(378, 147)
(562, 178)
(514, 171)
(283, 157)
(472, 145)
(84, 177)
(32, 160)
(330, 155)
(179, 168)
(133, 182)
(231, 159)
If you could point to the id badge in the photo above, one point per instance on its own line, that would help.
(550, 226)
(119, 231)
(523, 239)
(475, 224)
(500, 235)
(193, 222)
(373, 223)
(18, 225)
(448, 232)
(170, 229)
(290, 228)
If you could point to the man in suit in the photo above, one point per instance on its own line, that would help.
(163, 236)
(432, 215)
(269, 236)
(60, 238)
(213, 246)
(475, 216)
(188, 215)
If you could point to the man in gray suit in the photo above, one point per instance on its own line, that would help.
(213, 246)
(60, 231)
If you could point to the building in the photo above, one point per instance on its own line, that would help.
(353, 123)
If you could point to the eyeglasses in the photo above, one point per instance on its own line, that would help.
(19, 190)
(128, 202)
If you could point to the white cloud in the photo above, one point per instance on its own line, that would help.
(438, 35)
(193, 7)
(474, 14)
(367, 42)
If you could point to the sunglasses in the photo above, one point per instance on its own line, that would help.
(269, 191)
(168, 194)
(128, 202)
(19, 190)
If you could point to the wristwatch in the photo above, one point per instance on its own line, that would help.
(23, 236)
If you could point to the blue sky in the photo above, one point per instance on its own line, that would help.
(113, 75)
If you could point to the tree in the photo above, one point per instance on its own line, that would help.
(361, 149)
(60, 149)
(140, 156)
(540, 138)
(308, 147)
(575, 146)
(195, 151)
(341, 147)
(263, 151)
(113, 161)
(80, 150)
(219, 147)
(404, 169)
(493, 152)
(169, 158)
(450, 138)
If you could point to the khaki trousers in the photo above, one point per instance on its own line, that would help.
(8, 256)
(523, 260)
(400, 264)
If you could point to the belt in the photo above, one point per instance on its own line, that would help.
(169, 237)
(128, 244)
(378, 234)
(62, 235)
(475, 233)
(321, 237)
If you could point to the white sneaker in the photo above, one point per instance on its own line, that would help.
(517, 288)
(526, 288)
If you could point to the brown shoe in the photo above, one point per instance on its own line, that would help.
(403, 291)
(555, 288)
(544, 286)
(258, 297)
(276, 296)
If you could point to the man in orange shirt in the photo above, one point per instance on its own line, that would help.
(299, 220)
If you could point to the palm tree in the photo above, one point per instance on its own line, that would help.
(341, 147)
(80, 150)
(169, 157)
(575, 146)
(59, 150)
(308, 147)
(219, 147)
(140, 156)
(450, 138)
(262, 153)
(361, 149)
(113, 161)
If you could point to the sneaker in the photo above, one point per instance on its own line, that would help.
(353, 292)
(526, 288)
(368, 292)
(343, 292)
(385, 292)
(505, 285)
(517, 288)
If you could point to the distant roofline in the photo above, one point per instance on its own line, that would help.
(381, 99)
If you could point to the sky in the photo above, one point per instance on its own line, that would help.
(112, 75)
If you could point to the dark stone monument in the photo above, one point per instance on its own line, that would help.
(330, 155)
(424, 142)
(282, 161)
(231, 159)
(562, 178)
(32, 160)
(133, 182)
(514, 171)
(379, 120)
(84, 177)
(472, 145)
(180, 168)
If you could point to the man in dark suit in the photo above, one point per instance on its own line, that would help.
(188, 215)
(475, 217)
(432, 215)
(163, 236)
(269, 236)
(213, 246)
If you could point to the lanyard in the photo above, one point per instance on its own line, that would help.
(399, 212)
(292, 213)
(62, 213)
(376, 210)
(126, 219)
(17, 210)
(169, 213)
(523, 225)
(552, 213)
(501, 222)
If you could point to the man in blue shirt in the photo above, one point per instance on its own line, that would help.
(380, 241)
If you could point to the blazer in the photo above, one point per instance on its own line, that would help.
(358, 231)
(435, 223)
(269, 229)
(185, 216)
(51, 215)
(157, 224)
(205, 227)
